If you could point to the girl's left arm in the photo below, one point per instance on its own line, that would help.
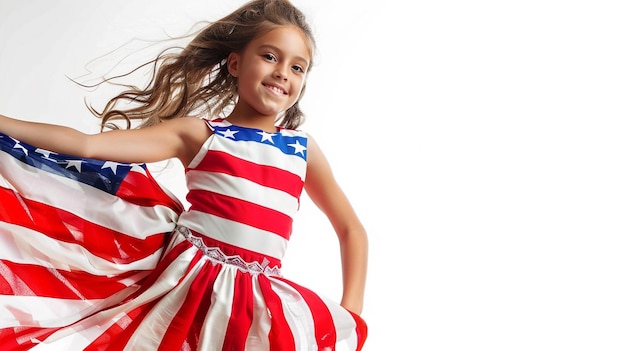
(325, 192)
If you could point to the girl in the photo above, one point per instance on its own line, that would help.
(132, 270)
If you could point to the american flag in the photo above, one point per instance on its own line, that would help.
(76, 236)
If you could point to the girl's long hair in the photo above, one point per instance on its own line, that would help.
(194, 81)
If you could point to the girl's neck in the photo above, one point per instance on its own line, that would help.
(256, 121)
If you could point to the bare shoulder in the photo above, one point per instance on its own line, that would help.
(189, 128)
(319, 171)
(314, 152)
(190, 124)
(311, 144)
(193, 132)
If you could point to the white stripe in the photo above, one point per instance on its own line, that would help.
(86, 201)
(214, 326)
(261, 322)
(68, 339)
(77, 337)
(293, 132)
(235, 233)
(50, 312)
(262, 154)
(298, 315)
(25, 246)
(242, 188)
(345, 325)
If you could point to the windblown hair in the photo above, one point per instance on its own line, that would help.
(195, 80)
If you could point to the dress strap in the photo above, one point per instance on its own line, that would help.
(209, 124)
(215, 122)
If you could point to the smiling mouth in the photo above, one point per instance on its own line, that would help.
(275, 89)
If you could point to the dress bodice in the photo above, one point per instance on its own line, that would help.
(244, 189)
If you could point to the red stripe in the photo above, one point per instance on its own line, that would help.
(241, 315)
(23, 338)
(280, 336)
(8, 340)
(325, 332)
(205, 304)
(116, 337)
(60, 225)
(13, 208)
(241, 211)
(188, 322)
(268, 176)
(143, 190)
(361, 330)
(55, 283)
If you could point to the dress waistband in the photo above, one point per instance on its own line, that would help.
(217, 256)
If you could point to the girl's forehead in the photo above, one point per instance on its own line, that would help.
(286, 37)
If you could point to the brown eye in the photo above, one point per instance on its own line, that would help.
(270, 57)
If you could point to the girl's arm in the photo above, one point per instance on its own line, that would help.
(322, 188)
(180, 137)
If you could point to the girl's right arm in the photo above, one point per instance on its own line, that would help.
(180, 138)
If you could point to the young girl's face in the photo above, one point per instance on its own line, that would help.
(271, 70)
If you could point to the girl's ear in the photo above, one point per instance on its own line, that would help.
(233, 64)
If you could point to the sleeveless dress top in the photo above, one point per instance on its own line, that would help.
(244, 190)
(97, 256)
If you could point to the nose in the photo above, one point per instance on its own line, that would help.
(281, 72)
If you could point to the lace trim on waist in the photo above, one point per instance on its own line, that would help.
(216, 255)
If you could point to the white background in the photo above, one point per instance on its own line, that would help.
(481, 142)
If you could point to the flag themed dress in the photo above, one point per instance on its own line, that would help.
(95, 255)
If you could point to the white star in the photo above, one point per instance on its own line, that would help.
(266, 136)
(19, 146)
(45, 153)
(299, 147)
(230, 133)
(74, 163)
(137, 168)
(112, 165)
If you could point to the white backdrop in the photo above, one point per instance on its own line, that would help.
(482, 144)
